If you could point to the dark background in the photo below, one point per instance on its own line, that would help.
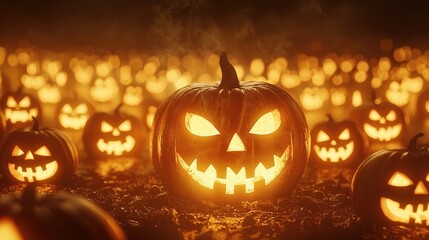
(261, 27)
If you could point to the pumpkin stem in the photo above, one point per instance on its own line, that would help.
(36, 126)
(330, 119)
(20, 89)
(116, 111)
(29, 195)
(229, 75)
(412, 146)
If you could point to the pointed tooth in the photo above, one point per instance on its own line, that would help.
(19, 169)
(230, 176)
(193, 165)
(38, 169)
(260, 171)
(209, 177)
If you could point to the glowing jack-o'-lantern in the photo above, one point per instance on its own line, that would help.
(73, 114)
(109, 135)
(104, 90)
(37, 154)
(54, 216)
(19, 109)
(336, 144)
(133, 95)
(49, 93)
(313, 98)
(381, 122)
(397, 94)
(391, 186)
(230, 142)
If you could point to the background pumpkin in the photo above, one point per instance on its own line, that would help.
(73, 114)
(206, 138)
(391, 186)
(37, 154)
(112, 134)
(336, 144)
(56, 216)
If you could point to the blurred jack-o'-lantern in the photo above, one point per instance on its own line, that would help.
(104, 90)
(19, 109)
(381, 122)
(336, 144)
(116, 134)
(391, 186)
(73, 114)
(33, 216)
(37, 154)
(230, 142)
(49, 93)
(133, 95)
(313, 98)
(150, 105)
(397, 94)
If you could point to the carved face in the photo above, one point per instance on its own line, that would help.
(133, 95)
(112, 135)
(397, 94)
(229, 143)
(104, 90)
(313, 98)
(336, 143)
(50, 93)
(30, 155)
(19, 109)
(73, 114)
(394, 184)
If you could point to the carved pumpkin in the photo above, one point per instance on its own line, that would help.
(112, 134)
(391, 186)
(34, 216)
(104, 90)
(19, 109)
(150, 105)
(37, 154)
(336, 144)
(133, 95)
(73, 114)
(50, 93)
(313, 98)
(230, 142)
(382, 122)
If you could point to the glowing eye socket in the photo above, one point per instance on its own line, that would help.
(81, 108)
(105, 127)
(374, 115)
(345, 135)
(427, 178)
(399, 179)
(17, 151)
(125, 126)
(25, 102)
(199, 126)
(267, 124)
(11, 102)
(67, 108)
(391, 116)
(43, 151)
(322, 137)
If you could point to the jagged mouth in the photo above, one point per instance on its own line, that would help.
(31, 174)
(383, 134)
(334, 154)
(117, 147)
(15, 116)
(75, 123)
(411, 213)
(208, 178)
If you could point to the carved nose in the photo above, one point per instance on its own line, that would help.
(333, 143)
(421, 189)
(115, 132)
(382, 120)
(29, 156)
(236, 145)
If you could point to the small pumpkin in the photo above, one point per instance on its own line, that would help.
(37, 155)
(112, 134)
(230, 142)
(33, 216)
(336, 144)
(73, 114)
(391, 186)
(19, 109)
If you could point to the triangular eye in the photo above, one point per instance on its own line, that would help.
(17, 151)
(11, 102)
(199, 126)
(105, 127)
(322, 137)
(125, 126)
(374, 115)
(43, 151)
(427, 178)
(391, 116)
(67, 108)
(399, 179)
(345, 135)
(267, 124)
(81, 108)
(25, 102)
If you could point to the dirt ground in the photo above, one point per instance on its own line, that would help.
(319, 208)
